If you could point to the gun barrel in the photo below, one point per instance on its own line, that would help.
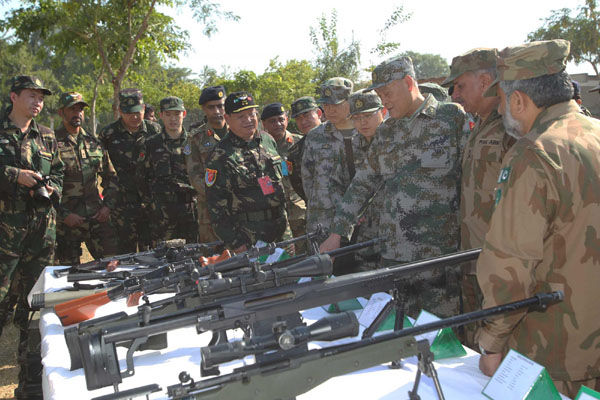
(354, 247)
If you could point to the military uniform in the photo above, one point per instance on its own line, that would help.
(27, 226)
(85, 159)
(295, 205)
(544, 234)
(131, 221)
(417, 160)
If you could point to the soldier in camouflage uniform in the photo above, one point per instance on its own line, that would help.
(416, 156)
(275, 121)
(162, 176)
(544, 234)
(202, 141)
(471, 74)
(83, 215)
(28, 152)
(366, 113)
(308, 116)
(130, 216)
(577, 98)
(244, 181)
(439, 92)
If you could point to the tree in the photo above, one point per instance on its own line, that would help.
(114, 34)
(384, 47)
(332, 59)
(583, 31)
(428, 65)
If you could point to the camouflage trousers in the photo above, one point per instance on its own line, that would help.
(132, 227)
(206, 233)
(436, 291)
(472, 298)
(275, 230)
(173, 220)
(26, 246)
(571, 388)
(99, 238)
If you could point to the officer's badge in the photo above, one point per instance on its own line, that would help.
(141, 156)
(186, 150)
(374, 76)
(220, 94)
(282, 109)
(358, 103)
(37, 82)
(504, 173)
(210, 177)
(290, 167)
(327, 92)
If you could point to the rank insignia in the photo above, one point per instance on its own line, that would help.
(358, 103)
(210, 177)
(186, 150)
(374, 76)
(290, 167)
(327, 92)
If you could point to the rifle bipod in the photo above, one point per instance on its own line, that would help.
(425, 366)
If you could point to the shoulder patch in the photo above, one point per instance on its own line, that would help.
(210, 177)
(187, 150)
(504, 173)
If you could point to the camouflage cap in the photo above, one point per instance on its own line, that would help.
(335, 90)
(302, 105)
(28, 82)
(171, 103)
(530, 60)
(211, 93)
(272, 110)
(472, 60)
(440, 93)
(391, 70)
(239, 101)
(131, 101)
(69, 99)
(364, 102)
(595, 89)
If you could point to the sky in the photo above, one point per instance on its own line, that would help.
(269, 29)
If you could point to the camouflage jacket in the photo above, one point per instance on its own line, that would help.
(417, 160)
(120, 145)
(295, 205)
(85, 159)
(232, 184)
(161, 170)
(545, 235)
(325, 174)
(34, 150)
(482, 158)
(294, 163)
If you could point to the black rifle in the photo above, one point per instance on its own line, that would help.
(298, 373)
(93, 343)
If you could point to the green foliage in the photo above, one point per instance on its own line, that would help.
(428, 65)
(398, 16)
(333, 59)
(582, 30)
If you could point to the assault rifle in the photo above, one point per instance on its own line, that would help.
(295, 374)
(92, 345)
(177, 276)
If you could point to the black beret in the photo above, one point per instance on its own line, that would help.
(211, 93)
(272, 110)
(239, 101)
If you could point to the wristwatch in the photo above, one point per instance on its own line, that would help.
(484, 351)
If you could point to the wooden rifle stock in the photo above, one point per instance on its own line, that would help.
(77, 310)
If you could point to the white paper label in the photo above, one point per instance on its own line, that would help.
(373, 308)
(514, 377)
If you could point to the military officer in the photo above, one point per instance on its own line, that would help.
(162, 176)
(201, 142)
(366, 114)
(471, 74)
(28, 153)
(307, 114)
(545, 230)
(275, 121)
(83, 215)
(244, 180)
(131, 219)
(416, 156)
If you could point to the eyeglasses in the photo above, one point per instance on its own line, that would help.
(357, 118)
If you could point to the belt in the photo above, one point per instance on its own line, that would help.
(262, 215)
(8, 206)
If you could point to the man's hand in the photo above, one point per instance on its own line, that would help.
(331, 243)
(102, 214)
(240, 249)
(489, 363)
(28, 178)
(73, 220)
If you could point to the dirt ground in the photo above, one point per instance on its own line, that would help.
(9, 369)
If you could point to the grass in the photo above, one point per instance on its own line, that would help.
(9, 341)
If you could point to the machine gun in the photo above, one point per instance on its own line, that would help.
(180, 276)
(92, 345)
(295, 374)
